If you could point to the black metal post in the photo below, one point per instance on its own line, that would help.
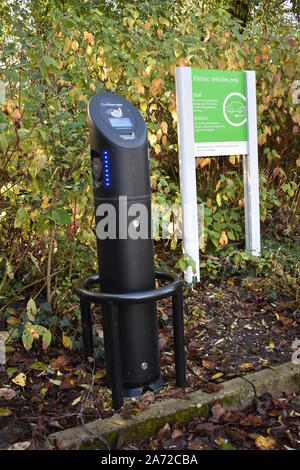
(87, 331)
(112, 352)
(178, 328)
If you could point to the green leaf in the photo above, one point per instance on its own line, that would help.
(21, 217)
(47, 339)
(27, 339)
(38, 366)
(227, 446)
(42, 133)
(31, 309)
(69, 23)
(60, 216)
(12, 74)
(49, 61)
(3, 142)
(23, 133)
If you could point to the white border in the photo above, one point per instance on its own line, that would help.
(187, 154)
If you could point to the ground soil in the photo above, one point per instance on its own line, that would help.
(269, 424)
(230, 330)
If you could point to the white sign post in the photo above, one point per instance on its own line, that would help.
(216, 116)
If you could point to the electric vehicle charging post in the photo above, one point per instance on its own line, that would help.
(121, 182)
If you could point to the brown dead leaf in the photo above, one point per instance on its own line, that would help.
(285, 320)
(194, 345)
(212, 388)
(7, 393)
(68, 383)
(217, 412)
(164, 433)
(176, 433)
(251, 420)
(202, 428)
(162, 342)
(209, 364)
(59, 362)
(16, 118)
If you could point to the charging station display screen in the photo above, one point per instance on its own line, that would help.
(120, 122)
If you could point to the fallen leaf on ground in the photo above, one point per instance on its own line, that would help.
(211, 388)
(77, 400)
(20, 446)
(164, 433)
(176, 433)
(5, 412)
(59, 362)
(20, 380)
(7, 393)
(246, 366)
(265, 443)
(217, 412)
(217, 376)
(55, 382)
(251, 420)
(162, 342)
(209, 364)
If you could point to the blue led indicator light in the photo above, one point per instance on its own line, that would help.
(106, 169)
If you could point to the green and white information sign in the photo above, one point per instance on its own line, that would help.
(219, 112)
(216, 116)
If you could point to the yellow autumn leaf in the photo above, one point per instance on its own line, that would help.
(164, 21)
(143, 106)
(232, 159)
(153, 139)
(298, 162)
(74, 46)
(20, 380)
(204, 161)
(265, 443)
(223, 240)
(217, 376)
(156, 85)
(271, 345)
(264, 49)
(5, 412)
(172, 70)
(45, 202)
(88, 37)
(77, 400)
(130, 22)
(261, 108)
(158, 134)
(157, 149)
(67, 342)
(100, 374)
(174, 115)
(279, 104)
(246, 366)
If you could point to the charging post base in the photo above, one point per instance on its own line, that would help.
(112, 343)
